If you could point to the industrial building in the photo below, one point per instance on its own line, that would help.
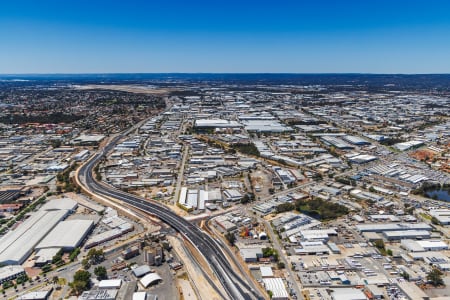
(442, 215)
(216, 123)
(141, 271)
(277, 287)
(99, 295)
(18, 244)
(347, 293)
(392, 227)
(67, 235)
(406, 234)
(149, 279)
(421, 246)
(10, 272)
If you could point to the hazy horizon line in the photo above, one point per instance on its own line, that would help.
(239, 73)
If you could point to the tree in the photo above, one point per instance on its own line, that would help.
(405, 275)
(389, 252)
(95, 256)
(435, 221)
(435, 277)
(55, 279)
(100, 272)
(85, 263)
(81, 281)
(231, 238)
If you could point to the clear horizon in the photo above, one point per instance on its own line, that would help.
(291, 37)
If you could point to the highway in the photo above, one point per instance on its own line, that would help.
(235, 286)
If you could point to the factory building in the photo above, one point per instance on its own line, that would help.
(67, 235)
(392, 227)
(406, 234)
(17, 245)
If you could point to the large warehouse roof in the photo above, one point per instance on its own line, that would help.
(67, 234)
(60, 204)
(392, 227)
(18, 244)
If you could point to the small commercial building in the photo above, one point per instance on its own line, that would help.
(37, 295)
(266, 272)
(251, 254)
(110, 284)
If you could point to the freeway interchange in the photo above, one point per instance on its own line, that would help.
(235, 286)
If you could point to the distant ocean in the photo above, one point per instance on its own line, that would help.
(393, 81)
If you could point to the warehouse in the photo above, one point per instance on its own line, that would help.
(392, 227)
(141, 271)
(433, 245)
(10, 272)
(362, 159)
(60, 204)
(276, 286)
(355, 140)
(347, 293)
(18, 244)
(110, 284)
(442, 215)
(406, 234)
(67, 235)
(88, 139)
(149, 279)
(216, 123)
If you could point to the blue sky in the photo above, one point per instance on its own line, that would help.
(367, 36)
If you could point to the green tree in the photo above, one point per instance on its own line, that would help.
(100, 272)
(81, 281)
(85, 263)
(435, 221)
(435, 277)
(231, 238)
(405, 275)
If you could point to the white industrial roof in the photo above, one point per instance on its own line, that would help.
(18, 244)
(110, 284)
(348, 294)
(38, 295)
(8, 271)
(140, 296)
(141, 270)
(60, 204)
(277, 287)
(266, 271)
(393, 227)
(67, 234)
(43, 256)
(149, 279)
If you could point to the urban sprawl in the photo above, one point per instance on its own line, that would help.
(184, 189)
